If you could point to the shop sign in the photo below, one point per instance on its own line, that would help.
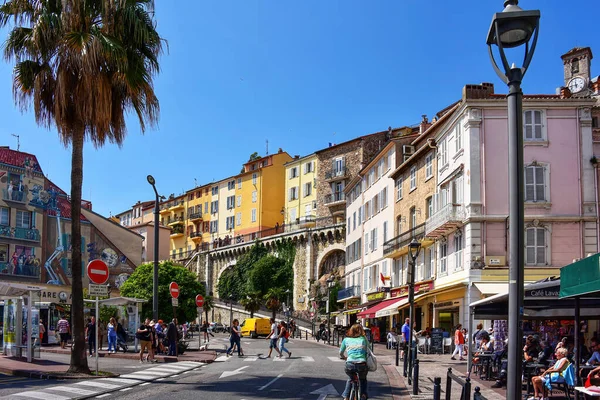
(376, 296)
(60, 296)
(421, 287)
(446, 304)
(547, 293)
(352, 303)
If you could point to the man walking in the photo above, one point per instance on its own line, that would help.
(63, 330)
(405, 334)
(272, 337)
(90, 332)
(144, 333)
(172, 337)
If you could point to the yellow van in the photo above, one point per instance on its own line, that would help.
(255, 327)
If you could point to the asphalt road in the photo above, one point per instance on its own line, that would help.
(314, 371)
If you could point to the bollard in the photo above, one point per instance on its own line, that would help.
(405, 366)
(397, 354)
(437, 388)
(477, 393)
(416, 378)
(448, 384)
(466, 390)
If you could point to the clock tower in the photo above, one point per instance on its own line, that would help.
(577, 64)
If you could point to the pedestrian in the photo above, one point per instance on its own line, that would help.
(153, 343)
(272, 338)
(121, 337)
(90, 333)
(112, 335)
(405, 334)
(234, 339)
(284, 334)
(144, 336)
(42, 330)
(172, 337)
(184, 328)
(459, 342)
(101, 330)
(204, 329)
(292, 328)
(63, 330)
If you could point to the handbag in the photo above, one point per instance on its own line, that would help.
(371, 360)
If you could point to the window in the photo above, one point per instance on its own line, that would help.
(535, 183)
(293, 195)
(367, 243)
(384, 270)
(254, 176)
(349, 224)
(366, 279)
(374, 239)
(398, 189)
(229, 222)
(215, 190)
(307, 189)
(575, 66)
(443, 156)
(428, 273)
(429, 166)
(214, 207)
(383, 198)
(230, 202)
(458, 145)
(360, 215)
(239, 183)
(413, 177)
(3, 253)
(458, 251)
(5, 216)
(309, 167)
(397, 272)
(339, 166)
(533, 126)
(429, 202)
(398, 225)
(238, 218)
(535, 246)
(293, 172)
(231, 185)
(413, 217)
(253, 215)
(254, 194)
(443, 258)
(214, 226)
(385, 230)
(23, 219)
(354, 220)
(239, 201)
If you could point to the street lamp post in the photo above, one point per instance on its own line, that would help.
(512, 28)
(230, 311)
(152, 182)
(414, 248)
(330, 282)
(287, 292)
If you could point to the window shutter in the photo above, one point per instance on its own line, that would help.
(540, 183)
(529, 184)
(537, 124)
(541, 246)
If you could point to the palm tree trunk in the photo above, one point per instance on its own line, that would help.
(79, 362)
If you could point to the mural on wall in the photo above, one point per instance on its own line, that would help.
(119, 280)
(110, 257)
(116, 261)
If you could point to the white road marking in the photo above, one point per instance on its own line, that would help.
(95, 383)
(121, 380)
(73, 390)
(126, 389)
(278, 358)
(335, 359)
(250, 359)
(42, 395)
(271, 382)
(150, 372)
(173, 376)
(308, 359)
(103, 395)
(145, 383)
(141, 377)
(222, 358)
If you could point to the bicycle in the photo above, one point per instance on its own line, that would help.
(355, 393)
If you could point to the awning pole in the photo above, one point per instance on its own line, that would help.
(470, 328)
(29, 330)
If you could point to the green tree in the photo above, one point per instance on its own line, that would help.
(253, 156)
(274, 298)
(81, 65)
(209, 304)
(252, 302)
(106, 312)
(139, 285)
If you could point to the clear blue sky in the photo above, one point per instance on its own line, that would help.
(298, 74)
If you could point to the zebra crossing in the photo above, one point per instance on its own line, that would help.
(101, 387)
(260, 357)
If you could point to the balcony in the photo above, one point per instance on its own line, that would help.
(348, 293)
(17, 196)
(399, 245)
(337, 174)
(177, 231)
(175, 221)
(195, 216)
(177, 205)
(164, 208)
(196, 236)
(31, 235)
(445, 220)
(334, 199)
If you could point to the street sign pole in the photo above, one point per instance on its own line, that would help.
(177, 341)
(96, 334)
(199, 328)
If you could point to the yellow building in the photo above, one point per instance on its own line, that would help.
(300, 192)
(259, 194)
(172, 215)
(196, 230)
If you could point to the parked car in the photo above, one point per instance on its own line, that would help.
(217, 327)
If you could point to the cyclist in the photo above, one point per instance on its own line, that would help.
(355, 346)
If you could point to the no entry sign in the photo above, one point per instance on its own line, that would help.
(199, 301)
(174, 289)
(97, 271)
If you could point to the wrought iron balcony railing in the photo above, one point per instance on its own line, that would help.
(403, 239)
(349, 292)
(334, 197)
(20, 233)
(446, 217)
(337, 173)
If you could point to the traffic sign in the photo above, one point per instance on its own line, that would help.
(98, 290)
(200, 310)
(199, 300)
(174, 289)
(97, 271)
(174, 301)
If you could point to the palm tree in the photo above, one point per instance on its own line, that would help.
(209, 304)
(252, 303)
(273, 299)
(81, 64)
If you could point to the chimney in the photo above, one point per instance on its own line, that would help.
(280, 150)
(424, 125)
(296, 157)
(482, 91)
(565, 93)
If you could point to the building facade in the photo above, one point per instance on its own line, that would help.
(300, 206)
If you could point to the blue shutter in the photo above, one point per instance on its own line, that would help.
(82, 245)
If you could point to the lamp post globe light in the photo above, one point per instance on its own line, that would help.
(330, 282)
(513, 28)
(152, 182)
(414, 248)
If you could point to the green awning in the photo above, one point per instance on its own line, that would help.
(580, 278)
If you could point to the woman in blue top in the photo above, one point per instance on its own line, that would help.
(556, 373)
(355, 346)
(112, 335)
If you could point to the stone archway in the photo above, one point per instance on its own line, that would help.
(325, 261)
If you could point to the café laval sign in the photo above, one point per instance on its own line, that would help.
(403, 291)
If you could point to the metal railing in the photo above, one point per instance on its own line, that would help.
(334, 197)
(20, 233)
(14, 195)
(404, 239)
(195, 215)
(448, 213)
(337, 173)
(178, 220)
(348, 292)
(196, 234)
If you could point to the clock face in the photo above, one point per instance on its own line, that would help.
(576, 85)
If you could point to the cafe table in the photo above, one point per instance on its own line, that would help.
(529, 370)
(589, 393)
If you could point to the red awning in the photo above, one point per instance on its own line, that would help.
(370, 312)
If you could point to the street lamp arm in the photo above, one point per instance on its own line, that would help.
(529, 52)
